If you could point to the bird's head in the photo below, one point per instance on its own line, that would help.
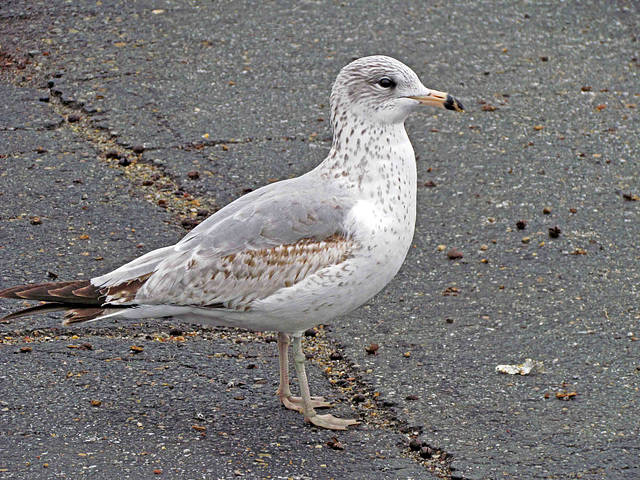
(383, 90)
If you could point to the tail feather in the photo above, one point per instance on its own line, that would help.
(80, 300)
(77, 292)
(44, 308)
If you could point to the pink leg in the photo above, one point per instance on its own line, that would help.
(284, 392)
(310, 415)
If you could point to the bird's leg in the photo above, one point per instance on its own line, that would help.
(284, 393)
(310, 415)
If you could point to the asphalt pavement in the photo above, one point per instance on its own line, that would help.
(123, 124)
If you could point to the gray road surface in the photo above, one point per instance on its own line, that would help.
(238, 93)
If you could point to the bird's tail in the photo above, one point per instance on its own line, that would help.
(79, 299)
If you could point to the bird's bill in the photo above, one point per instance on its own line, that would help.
(440, 100)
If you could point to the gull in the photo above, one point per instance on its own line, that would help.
(290, 255)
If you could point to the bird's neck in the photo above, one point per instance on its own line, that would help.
(365, 155)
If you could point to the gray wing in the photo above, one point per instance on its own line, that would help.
(228, 260)
(278, 214)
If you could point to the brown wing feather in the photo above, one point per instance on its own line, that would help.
(236, 280)
(64, 292)
(81, 300)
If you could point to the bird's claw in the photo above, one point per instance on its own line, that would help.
(330, 422)
(295, 403)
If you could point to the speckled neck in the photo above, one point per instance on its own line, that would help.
(364, 153)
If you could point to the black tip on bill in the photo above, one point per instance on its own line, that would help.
(453, 104)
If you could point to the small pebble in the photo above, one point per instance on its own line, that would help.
(138, 149)
(416, 444)
(189, 223)
(336, 356)
(521, 224)
(193, 175)
(554, 232)
(426, 452)
(372, 349)
(175, 332)
(359, 398)
(74, 118)
(124, 161)
(454, 254)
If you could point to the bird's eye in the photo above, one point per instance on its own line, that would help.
(386, 82)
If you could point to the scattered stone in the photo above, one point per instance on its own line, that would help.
(451, 292)
(521, 224)
(416, 444)
(312, 332)
(454, 254)
(96, 403)
(202, 213)
(137, 349)
(74, 118)
(124, 161)
(113, 154)
(359, 398)
(175, 332)
(189, 223)
(36, 221)
(89, 109)
(426, 452)
(25, 349)
(411, 398)
(335, 444)
(193, 175)
(372, 349)
(546, 210)
(335, 356)
(138, 149)
(554, 232)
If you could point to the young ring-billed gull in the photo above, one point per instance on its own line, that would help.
(290, 255)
